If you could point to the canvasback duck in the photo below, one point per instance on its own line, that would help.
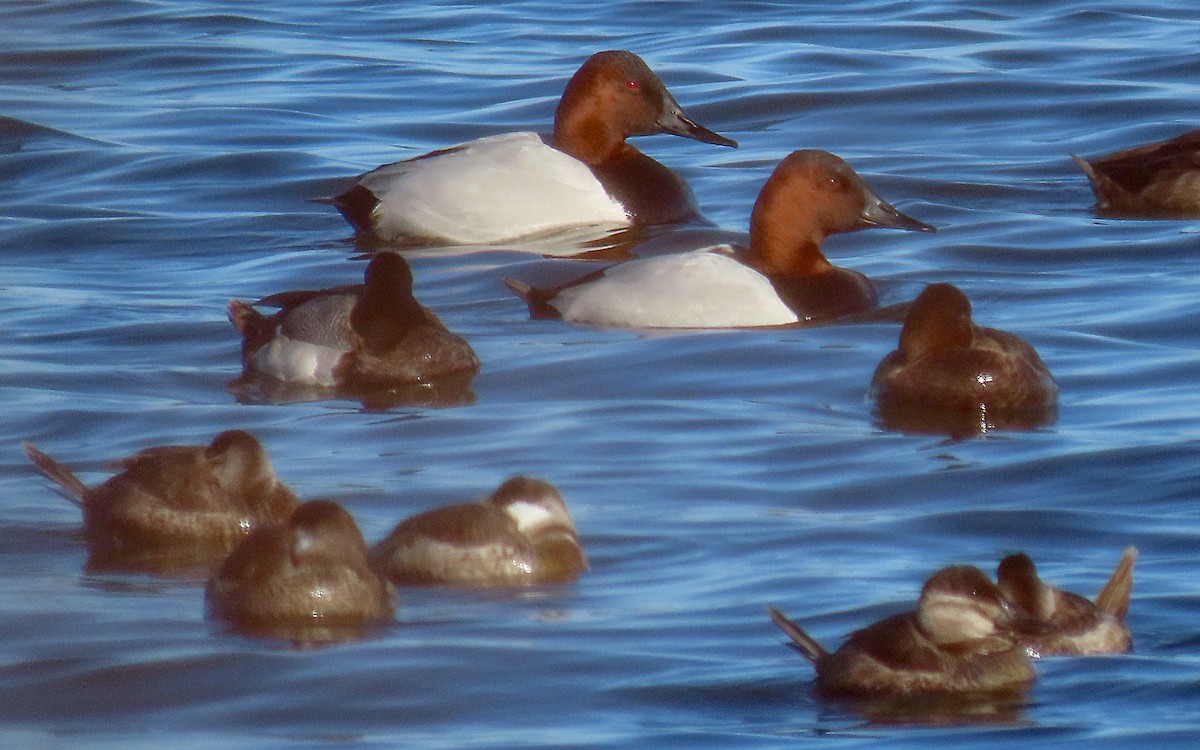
(1158, 179)
(374, 335)
(780, 277)
(954, 642)
(175, 507)
(522, 184)
(308, 573)
(1065, 623)
(521, 535)
(946, 364)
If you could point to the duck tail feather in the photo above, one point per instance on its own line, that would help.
(536, 298)
(802, 641)
(69, 485)
(1114, 597)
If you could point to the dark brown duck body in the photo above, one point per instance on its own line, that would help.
(1062, 622)
(178, 506)
(363, 337)
(521, 535)
(1159, 179)
(947, 364)
(310, 572)
(955, 642)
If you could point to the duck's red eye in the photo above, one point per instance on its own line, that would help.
(631, 85)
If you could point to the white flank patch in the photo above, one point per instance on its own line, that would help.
(298, 362)
(489, 190)
(698, 289)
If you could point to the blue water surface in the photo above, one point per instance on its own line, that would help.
(160, 158)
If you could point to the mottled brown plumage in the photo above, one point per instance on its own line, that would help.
(1157, 179)
(946, 364)
(954, 642)
(308, 576)
(522, 534)
(1061, 622)
(175, 507)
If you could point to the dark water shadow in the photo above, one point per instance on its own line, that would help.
(967, 709)
(306, 634)
(959, 424)
(438, 394)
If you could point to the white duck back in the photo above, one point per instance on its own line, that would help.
(699, 289)
(488, 190)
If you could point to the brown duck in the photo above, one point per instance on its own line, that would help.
(1157, 179)
(175, 506)
(522, 534)
(954, 642)
(1060, 622)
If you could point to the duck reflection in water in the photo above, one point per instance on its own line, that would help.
(307, 580)
(1061, 622)
(372, 341)
(175, 509)
(950, 375)
(949, 659)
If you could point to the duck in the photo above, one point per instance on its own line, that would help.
(779, 277)
(373, 335)
(1160, 179)
(520, 535)
(175, 507)
(309, 572)
(946, 364)
(1066, 623)
(955, 642)
(515, 185)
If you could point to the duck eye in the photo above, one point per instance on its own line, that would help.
(632, 85)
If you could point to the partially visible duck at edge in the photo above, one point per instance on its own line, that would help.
(520, 535)
(1155, 180)
(780, 277)
(307, 576)
(173, 508)
(946, 364)
(1060, 622)
(364, 336)
(522, 184)
(954, 642)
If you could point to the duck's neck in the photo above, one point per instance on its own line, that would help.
(592, 139)
(382, 318)
(785, 239)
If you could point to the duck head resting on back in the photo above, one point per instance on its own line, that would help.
(175, 507)
(521, 534)
(956, 641)
(1061, 622)
(307, 574)
(947, 365)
